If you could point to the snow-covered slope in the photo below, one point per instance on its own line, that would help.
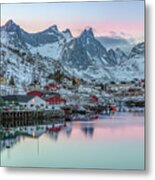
(117, 56)
(37, 55)
(133, 67)
(48, 43)
(85, 56)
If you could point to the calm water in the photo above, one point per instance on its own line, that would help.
(115, 142)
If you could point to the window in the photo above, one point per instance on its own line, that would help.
(31, 105)
(42, 105)
(33, 101)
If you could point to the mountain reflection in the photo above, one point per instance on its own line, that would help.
(103, 128)
(88, 130)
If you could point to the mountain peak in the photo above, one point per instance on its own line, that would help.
(87, 33)
(54, 28)
(10, 26)
(9, 22)
(67, 33)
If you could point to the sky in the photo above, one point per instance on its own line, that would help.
(122, 18)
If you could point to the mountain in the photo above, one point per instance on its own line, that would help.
(137, 51)
(117, 56)
(18, 60)
(47, 43)
(85, 56)
(12, 35)
(133, 67)
(29, 55)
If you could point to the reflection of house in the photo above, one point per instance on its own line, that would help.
(27, 102)
(34, 132)
(88, 131)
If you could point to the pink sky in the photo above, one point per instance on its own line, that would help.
(128, 28)
(103, 17)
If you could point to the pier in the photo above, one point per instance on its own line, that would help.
(24, 118)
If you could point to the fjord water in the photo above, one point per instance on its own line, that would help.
(109, 142)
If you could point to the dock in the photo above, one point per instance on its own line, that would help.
(24, 118)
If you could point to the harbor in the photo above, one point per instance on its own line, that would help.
(117, 135)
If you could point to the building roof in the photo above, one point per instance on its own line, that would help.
(18, 98)
(39, 92)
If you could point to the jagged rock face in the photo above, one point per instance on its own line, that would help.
(49, 35)
(77, 57)
(93, 47)
(10, 26)
(12, 35)
(137, 51)
(84, 51)
(112, 57)
(117, 56)
(84, 55)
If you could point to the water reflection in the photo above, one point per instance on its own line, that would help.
(96, 143)
(120, 126)
(88, 130)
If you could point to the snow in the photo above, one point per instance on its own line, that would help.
(16, 65)
(52, 50)
(5, 38)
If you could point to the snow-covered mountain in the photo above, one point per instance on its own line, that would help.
(27, 55)
(137, 51)
(133, 67)
(84, 51)
(117, 56)
(86, 58)
(47, 43)
(17, 59)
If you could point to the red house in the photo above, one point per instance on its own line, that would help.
(35, 93)
(94, 99)
(56, 100)
(52, 87)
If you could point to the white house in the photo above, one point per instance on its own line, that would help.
(26, 102)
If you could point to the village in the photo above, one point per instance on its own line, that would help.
(72, 96)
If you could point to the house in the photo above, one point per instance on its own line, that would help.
(35, 93)
(52, 87)
(39, 93)
(56, 100)
(94, 99)
(26, 102)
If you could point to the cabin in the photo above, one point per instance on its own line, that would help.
(56, 100)
(26, 102)
(94, 99)
(52, 87)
